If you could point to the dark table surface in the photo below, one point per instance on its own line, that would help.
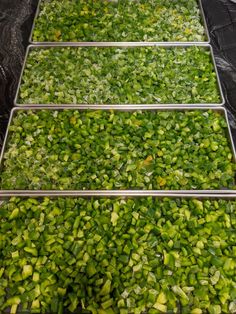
(16, 17)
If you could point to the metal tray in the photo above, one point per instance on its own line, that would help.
(201, 197)
(123, 45)
(220, 110)
(203, 21)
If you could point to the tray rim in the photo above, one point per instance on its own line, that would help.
(4, 196)
(115, 192)
(202, 18)
(123, 45)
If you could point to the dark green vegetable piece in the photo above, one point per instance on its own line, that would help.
(109, 75)
(77, 150)
(143, 255)
(119, 20)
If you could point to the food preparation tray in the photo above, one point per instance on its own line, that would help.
(125, 45)
(174, 235)
(110, 192)
(203, 22)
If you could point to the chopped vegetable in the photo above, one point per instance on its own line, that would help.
(110, 75)
(77, 150)
(119, 20)
(118, 268)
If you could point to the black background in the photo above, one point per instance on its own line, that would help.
(16, 18)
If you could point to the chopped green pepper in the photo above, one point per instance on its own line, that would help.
(115, 154)
(111, 75)
(126, 20)
(122, 267)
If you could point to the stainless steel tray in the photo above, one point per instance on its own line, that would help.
(221, 110)
(203, 20)
(124, 45)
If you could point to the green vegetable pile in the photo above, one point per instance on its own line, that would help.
(73, 149)
(109, 75)
(119, 20)
(118, 256)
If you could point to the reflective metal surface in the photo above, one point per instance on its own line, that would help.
(203, 21)
(220, 110)
(124, 45)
